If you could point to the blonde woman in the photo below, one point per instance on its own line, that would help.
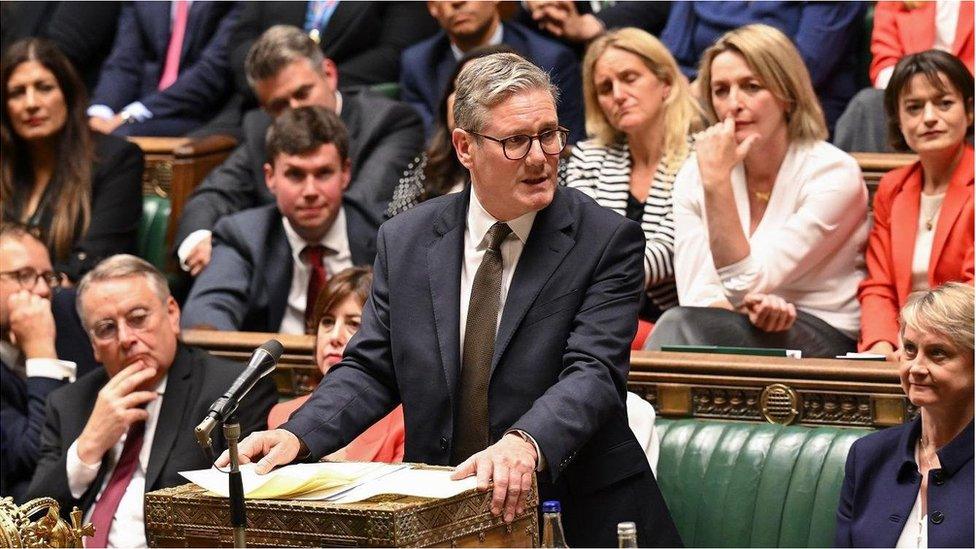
(912, 485)
(771, 220)
(639, 114)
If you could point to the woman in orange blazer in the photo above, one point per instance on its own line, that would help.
(336, 318)
(923, 213)
(902, 28)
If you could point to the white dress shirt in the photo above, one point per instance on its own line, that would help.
(479, 221)
(198, 235)
(128, 528)
(928, 217)
(808, 248)
(52, 368)
(337, 258)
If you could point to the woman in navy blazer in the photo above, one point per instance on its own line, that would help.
(912, 485)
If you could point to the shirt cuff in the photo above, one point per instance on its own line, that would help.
(188, 244)
(100, 111)
(80, 474)
(138, 111)
(51, 368)
(540, 458)
(739, 279)
(881, 82)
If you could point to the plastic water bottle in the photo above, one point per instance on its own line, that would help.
(552, 525)
(626, 534)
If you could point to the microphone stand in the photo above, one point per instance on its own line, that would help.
(238, 509)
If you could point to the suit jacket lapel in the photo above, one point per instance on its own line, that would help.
(278, 280)
(958, 193)
(360, 234)
(548, 244)
(171, 415)
(904, 227)
(341, 18)
(444, 277)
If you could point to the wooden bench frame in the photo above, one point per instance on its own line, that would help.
(743, 388)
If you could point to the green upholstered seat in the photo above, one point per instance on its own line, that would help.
(738, 484)
(152, 230)
(389, 89)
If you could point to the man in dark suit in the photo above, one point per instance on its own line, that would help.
(127, 429)
(363, 38)
(287, 70)
(426, 66)
(168, 72)
(501, 317)
(31, 334)
(270, 262)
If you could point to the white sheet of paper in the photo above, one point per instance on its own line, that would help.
(369, 479)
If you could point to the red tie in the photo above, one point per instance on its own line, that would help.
(172, 67)
(312, 256)
(108, 503)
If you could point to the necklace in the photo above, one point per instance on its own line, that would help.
(931, 206)
(762, 196)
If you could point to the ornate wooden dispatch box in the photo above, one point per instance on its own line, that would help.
(184, 516)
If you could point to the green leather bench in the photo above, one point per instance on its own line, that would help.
(152, 230)
(739, 484)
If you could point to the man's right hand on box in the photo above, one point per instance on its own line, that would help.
(274, 448)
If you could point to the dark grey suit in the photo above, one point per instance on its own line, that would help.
(195, 380)
(246, 285)
(384, 136)
(559, 370)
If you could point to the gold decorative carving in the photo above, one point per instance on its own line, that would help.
(728, 403)
(779, 404)
(837, 409)
(18, 530)
(674, 399)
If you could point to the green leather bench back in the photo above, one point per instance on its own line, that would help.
(152, 230)
(738, 484)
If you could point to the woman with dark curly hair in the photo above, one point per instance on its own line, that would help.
(83, 191)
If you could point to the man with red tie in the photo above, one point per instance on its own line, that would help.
(270, 262)
(168, 72)
(127, 428)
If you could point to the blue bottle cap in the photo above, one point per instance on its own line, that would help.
(551, 506)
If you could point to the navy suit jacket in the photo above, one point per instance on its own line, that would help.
(196, 379)
(245, 286)
(426, 67)
(881, 482)
(23, 400)
(560, 363)
(384, 136)
(133, 69)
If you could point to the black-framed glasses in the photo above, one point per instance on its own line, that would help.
(28, 277)
(137, 319)
(517, 147)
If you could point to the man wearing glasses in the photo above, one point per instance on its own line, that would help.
(127, 428)
(30, 367)
(501, 317)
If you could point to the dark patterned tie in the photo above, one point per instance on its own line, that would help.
(317, 276)
(108, 503)
(471, 426)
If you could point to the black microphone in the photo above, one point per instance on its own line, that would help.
(263, 361)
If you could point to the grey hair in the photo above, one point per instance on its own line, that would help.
(487, 81)
(121, 266)
(946, 310)
(277, 48)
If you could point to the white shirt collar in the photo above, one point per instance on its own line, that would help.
(479, 221)
(493, 41)
(335, 238)
(338, 96)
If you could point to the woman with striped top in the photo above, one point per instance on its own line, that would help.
(639, 114)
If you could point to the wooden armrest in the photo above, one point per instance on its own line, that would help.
(883, 162)
(212, 144)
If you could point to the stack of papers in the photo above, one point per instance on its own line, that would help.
(335, 482)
